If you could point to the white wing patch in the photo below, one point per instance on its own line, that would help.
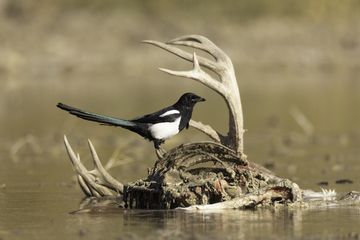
(169, 113)
(165, 130)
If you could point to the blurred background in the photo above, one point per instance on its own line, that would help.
(297, 65)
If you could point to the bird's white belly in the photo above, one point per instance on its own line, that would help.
(165, 130)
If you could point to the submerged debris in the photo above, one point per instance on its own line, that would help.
(344, 181)
(323, 183)
(352, 196)
(325, 194)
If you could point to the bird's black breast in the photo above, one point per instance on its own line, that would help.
(185, 118)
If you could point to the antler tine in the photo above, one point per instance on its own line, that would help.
(87, 186)
(75, 159)
(202, 43)
(102, 171)
(198, 74)
(84, 187)
(207, 129)
(211, 65)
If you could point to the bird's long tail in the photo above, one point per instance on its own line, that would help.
(96, 117)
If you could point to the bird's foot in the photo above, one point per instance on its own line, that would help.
(160, 152)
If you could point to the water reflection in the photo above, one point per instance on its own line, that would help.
(177, 224)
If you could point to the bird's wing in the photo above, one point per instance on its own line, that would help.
(165, 115)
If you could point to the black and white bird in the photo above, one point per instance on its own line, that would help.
(156, 127)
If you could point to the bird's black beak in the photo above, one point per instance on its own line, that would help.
(200, 99)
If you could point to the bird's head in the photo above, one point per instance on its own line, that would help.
(189, 100)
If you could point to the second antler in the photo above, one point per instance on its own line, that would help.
(225, 85)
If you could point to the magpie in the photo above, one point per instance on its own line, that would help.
(156, 127)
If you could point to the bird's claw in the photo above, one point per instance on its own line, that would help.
(160, 152)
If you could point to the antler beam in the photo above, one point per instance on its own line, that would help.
(226, 85)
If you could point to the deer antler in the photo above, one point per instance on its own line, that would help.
(97, 182)
(226, 85)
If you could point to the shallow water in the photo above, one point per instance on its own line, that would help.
(41, 212)
(40, 192)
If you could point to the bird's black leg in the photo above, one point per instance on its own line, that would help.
(160, 152)
(157, 143)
